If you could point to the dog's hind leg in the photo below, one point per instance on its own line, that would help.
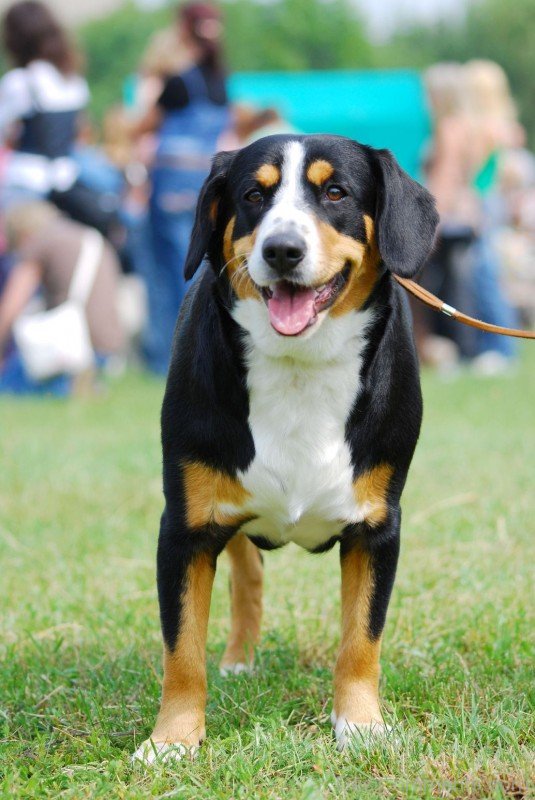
(246, 579)
(367, 580)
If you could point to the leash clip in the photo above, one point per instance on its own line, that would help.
(448, 310)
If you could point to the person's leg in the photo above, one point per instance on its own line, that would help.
(139, 251)
(461, 268)
(170, 230)
(15, 380)
(491, 304)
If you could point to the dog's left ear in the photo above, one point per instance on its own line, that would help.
(206, 212)
(406, 218)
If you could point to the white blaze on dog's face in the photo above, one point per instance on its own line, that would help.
(301, 229)
(289, 225)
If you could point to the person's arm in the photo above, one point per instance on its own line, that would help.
(15, 102)
(173, 97)
(446, 174)
(149, 123)
(23, 282)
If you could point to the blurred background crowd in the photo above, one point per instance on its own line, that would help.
(85, 149)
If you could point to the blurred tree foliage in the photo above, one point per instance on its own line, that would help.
(296, 35)
(494, 29)
(113, 47)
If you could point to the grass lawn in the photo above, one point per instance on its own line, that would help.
(80, 654)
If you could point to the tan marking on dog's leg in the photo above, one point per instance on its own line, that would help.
(207, 491)
(356, 677)
(246, 602)
(371, 490)
(268, 175)
(181, 719)
(319, 172)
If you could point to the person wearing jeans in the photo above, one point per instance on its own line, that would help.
(189, 116)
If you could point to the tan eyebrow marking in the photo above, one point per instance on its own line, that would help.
(268, 175)
(319, 172)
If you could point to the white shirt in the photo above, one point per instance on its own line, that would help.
(21, 89)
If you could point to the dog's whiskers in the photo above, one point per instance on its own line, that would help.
(240, 275)
(228, 263)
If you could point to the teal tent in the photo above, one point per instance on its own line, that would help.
(381, 108)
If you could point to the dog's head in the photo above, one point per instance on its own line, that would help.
(304, 226)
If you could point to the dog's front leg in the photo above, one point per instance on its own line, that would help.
(368, 570)
(186, 568)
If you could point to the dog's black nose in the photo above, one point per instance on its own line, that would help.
(284, 251)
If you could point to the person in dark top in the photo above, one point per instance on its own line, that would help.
(189, 116)
(175, 93)
(41, 101)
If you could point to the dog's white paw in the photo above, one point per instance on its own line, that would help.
(355, 733)
(236, 669)
(150, 752)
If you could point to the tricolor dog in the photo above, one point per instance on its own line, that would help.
(292, 407)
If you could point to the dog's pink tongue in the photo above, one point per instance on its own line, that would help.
(291, 309)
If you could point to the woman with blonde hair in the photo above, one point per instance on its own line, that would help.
(495, 129)
(449, 169)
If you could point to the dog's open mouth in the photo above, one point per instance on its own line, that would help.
(293, 308)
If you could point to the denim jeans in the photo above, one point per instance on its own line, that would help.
(15, 380)
(490, 301)
(172, 208)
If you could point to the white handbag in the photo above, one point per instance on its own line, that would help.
(57, 341)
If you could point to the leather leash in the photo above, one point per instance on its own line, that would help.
(438, 305)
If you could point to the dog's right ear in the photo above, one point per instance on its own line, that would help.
(206, 212)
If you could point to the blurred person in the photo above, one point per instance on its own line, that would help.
(96, 168)
(164, 56)
(495, 128)
(249, 123)
(449, 173)
(47, 246)
(41, 100)
(189, 116)
(515, 240)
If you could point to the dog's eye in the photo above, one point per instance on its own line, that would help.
(253, 196)
(334, 193)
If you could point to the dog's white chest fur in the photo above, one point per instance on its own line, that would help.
(301, 479)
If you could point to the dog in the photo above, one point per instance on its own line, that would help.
(292, 407)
